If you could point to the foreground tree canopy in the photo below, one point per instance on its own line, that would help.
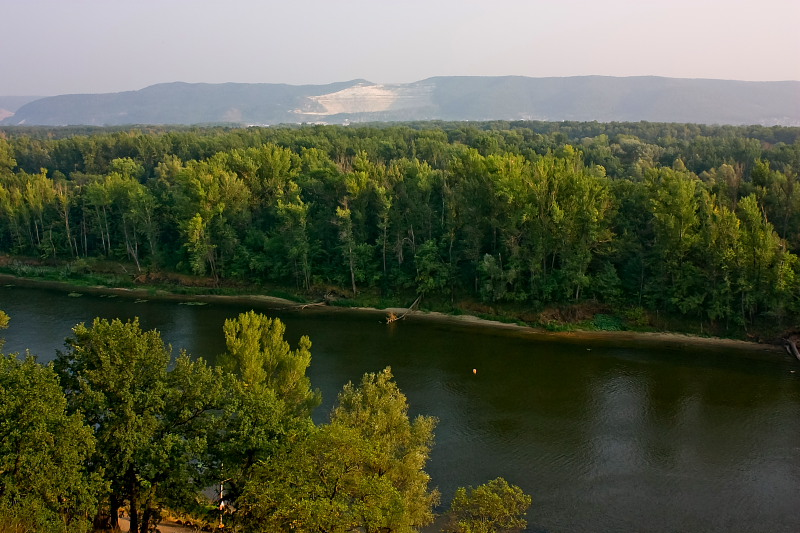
(151, 423)
(492, 507)
(364, 470)
(697, 221)
(45, 482)
(117, 423)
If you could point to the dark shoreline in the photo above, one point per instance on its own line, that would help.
(667, 340)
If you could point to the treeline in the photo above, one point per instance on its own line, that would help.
(116, 422)
(697, 221)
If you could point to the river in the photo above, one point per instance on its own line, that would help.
(605, 438)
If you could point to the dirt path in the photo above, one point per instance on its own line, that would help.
(166, 526)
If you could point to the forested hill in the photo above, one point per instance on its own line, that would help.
(585, 98)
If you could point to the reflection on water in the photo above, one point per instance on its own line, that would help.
(604, 438)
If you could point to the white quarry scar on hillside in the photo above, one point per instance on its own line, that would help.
(363, 98)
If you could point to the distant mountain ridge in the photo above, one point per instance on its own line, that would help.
(582, 98)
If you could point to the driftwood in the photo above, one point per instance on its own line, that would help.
(391, 317)
(791, 347)
(317, 304)
(298, 307)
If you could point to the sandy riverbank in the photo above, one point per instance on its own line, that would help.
(626, 338)
(166, 526)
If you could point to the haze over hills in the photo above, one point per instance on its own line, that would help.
(9, 104)
(583, 98)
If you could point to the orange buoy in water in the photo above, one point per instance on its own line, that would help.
(474, 370)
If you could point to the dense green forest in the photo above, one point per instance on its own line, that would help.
(690, 221)
(117, 422)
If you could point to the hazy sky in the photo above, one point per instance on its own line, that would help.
(90, 46)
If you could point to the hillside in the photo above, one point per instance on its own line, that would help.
(585, 98)
(10, 104)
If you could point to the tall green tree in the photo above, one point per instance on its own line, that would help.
(150, 422)
(212, 209)
(556, 217)
(768, 271)
(258, 353)
(675, 203)
(722, 241)
(398, 450)
(270, 398)
(364, 470)
(45, 482)
(294, 231)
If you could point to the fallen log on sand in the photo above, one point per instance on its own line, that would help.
(392, 317)
(316, 304)
(791, 346)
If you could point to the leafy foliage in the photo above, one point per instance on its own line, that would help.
(151, 422)
(258, 354)
(116, 422)
(4, 319)
(363, 470)
(489, 508)
(269, 396)
(45, 484)
(667, 217)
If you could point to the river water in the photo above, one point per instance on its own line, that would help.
(604, 437)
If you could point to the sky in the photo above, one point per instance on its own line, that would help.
(50, 47)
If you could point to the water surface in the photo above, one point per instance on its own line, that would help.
(605, 438)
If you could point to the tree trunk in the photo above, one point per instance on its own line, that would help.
(385, 227)
(108, 231)
(102, 231)
(352, 270)
(132, 249)
(147, 517)
(133, 500)
(73, 250)
(306, 272)
(114, 505)
(134, 515)
(84, 236)
(38, 238)
(52, 243)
